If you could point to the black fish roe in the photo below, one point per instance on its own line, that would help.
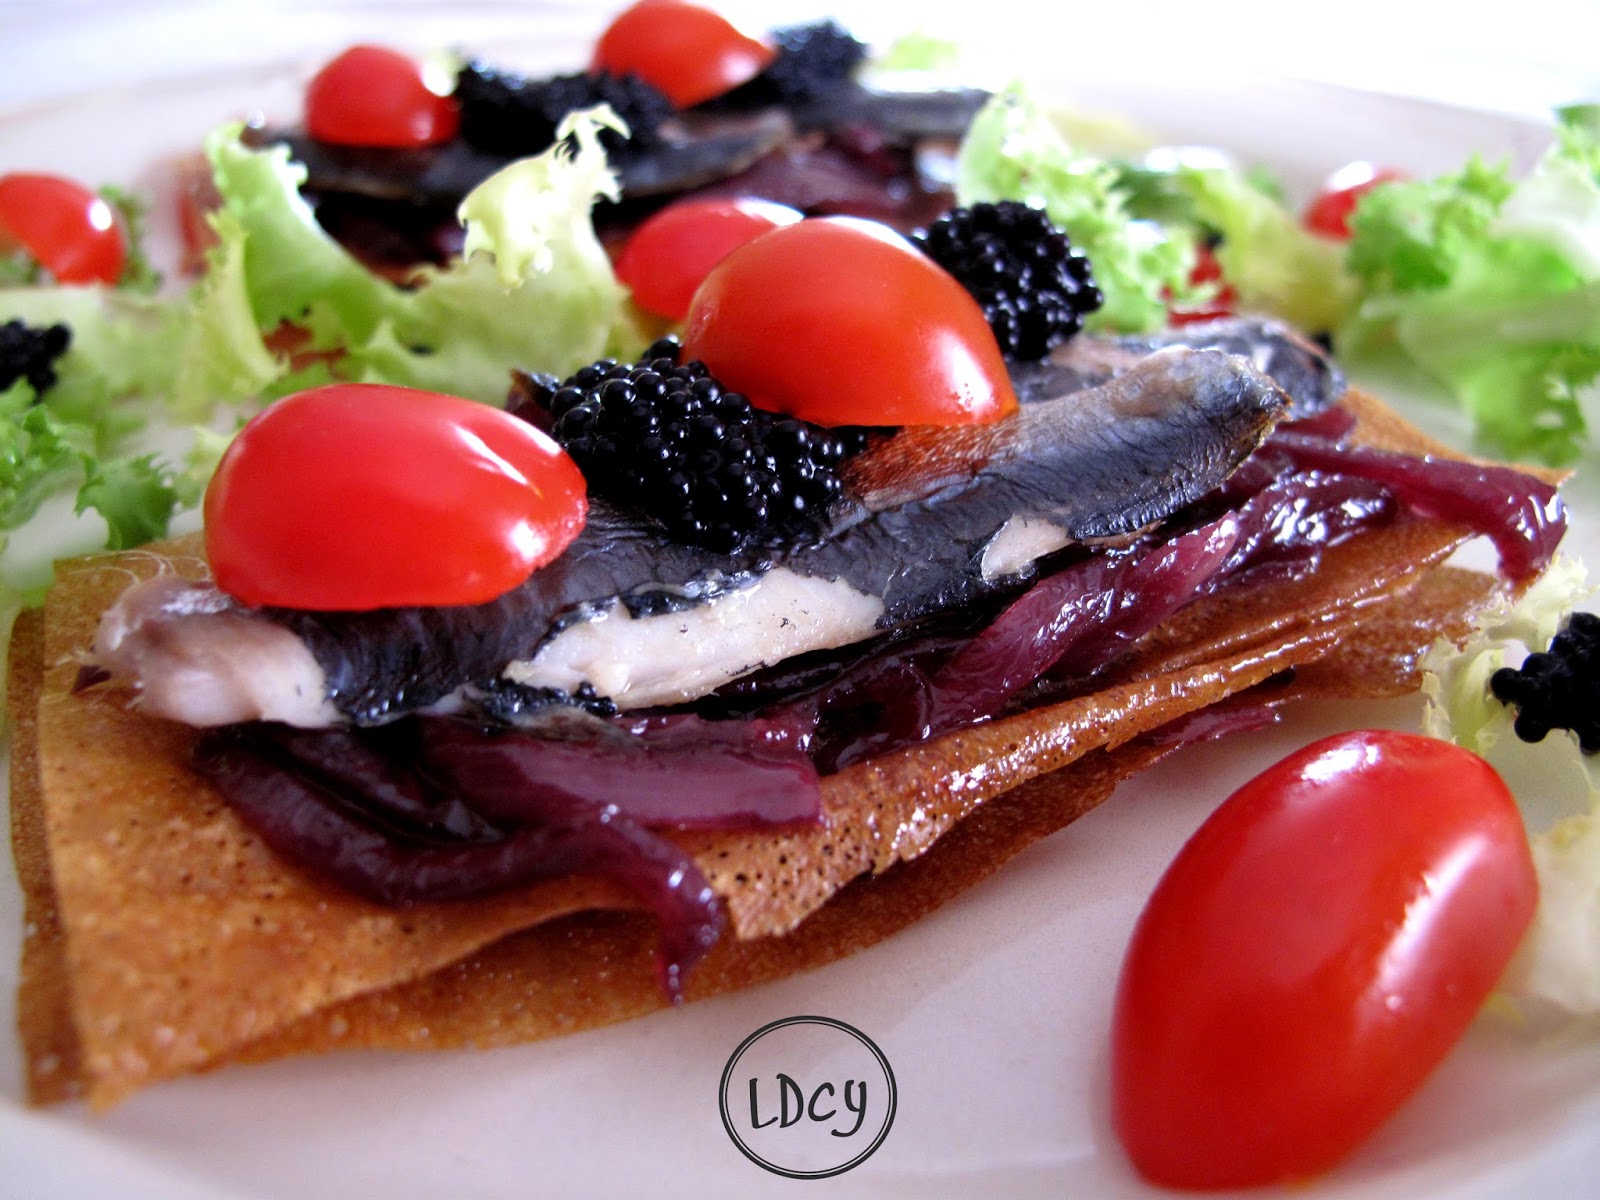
(505, 113)
(665, 438)
(30, 353)
(1033, 286)
(811, 61)
(1560, 688)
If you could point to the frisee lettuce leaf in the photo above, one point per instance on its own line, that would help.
(1015, 151)
(1492, 286)
(136, 496)
(1555, 783)
(533, 287)
(1266, 254)
(38, 456)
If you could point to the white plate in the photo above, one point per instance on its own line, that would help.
(993, 1011)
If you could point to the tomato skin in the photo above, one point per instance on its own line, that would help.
(671, 253)
(1206, 270)
(374, 96)
(688, 52)
(841, 321)
(1328, 214)
(351, 497)
(73, 233)
(1311, 955)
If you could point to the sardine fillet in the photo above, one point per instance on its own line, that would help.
(926, 508)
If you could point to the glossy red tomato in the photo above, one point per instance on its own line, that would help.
(1311, 955)
(670, 254)
(374, 96)
(73, 233)
(841, 321)
(360, 496)
(1329, 212)
(1206, 270)
(688, 52)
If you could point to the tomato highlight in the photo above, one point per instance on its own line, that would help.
(1329, 212)
(374, 96)
(671, 253)
(68, 229)
(687, 52)
(1311, 955)
(841, 321)
(351, 497)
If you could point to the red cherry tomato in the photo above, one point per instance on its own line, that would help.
(359, 496)
(73, 233)
(1329, 213)
(688, 52)
(1206, 270)
(668, 256)
(841, 321)
(373, 96)
(1311, 955)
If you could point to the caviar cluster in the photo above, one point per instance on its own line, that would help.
(810, 61)
(1558, 689)
(505, 113)
(30, 353)
(664, 437)
(1034, 287)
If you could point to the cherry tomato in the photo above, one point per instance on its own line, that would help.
(374, 96)
(670, 254)
(841, 321)
(358, 496)
(1206, 270)
(687, 52)
(73, 233)
(1311, 955)
(1329, 213)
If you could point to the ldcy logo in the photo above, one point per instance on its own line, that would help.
(807, 1097)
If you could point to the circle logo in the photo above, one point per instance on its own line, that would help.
(807, 1097)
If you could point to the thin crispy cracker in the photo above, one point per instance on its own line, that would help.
(188, 943)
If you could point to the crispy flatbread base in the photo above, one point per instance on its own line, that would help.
(164, 938)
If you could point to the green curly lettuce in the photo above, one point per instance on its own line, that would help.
(533, 287)
(1266, 254)
(1491, 285)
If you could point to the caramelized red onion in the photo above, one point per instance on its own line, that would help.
(1524, 517)
(718, 782)
(433, 809)
(1075, 621)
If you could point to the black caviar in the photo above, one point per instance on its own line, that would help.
(1034, 287)
(505, 113)
(1558, 688)
(663, 437)
(30, 353)
(810, 62)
